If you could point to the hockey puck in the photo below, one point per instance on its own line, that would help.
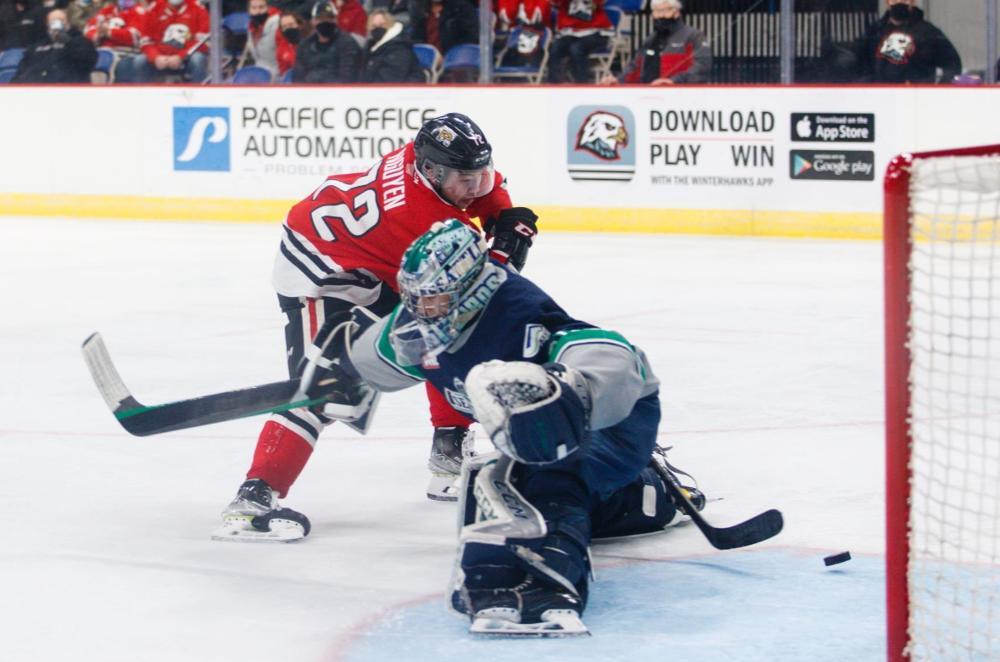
(834, 559)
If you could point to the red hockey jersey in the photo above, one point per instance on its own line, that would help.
(175, 30)
(579, 18)
(350, 234)
(127, 27)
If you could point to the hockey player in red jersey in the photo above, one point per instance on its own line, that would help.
(175, 40)
(118, 25)
(341, 247)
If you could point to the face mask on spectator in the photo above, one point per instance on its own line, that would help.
(57, 30)
(292, 35)
(664, 24)
(258, 19)
(377, 34)
(326, 30)
(900, 11)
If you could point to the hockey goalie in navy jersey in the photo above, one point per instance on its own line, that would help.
(341, 247)
(572, 409)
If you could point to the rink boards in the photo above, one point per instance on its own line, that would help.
(801, 161)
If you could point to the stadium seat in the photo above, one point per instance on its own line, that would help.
(461, 61)
(6, 75)
(430, 61)
(10, 58)
(617, 47)
(287, 78)
(625, 5)
(533, 75)
(104, 71)
(237, 22)
(252, 75)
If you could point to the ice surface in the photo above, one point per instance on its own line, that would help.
(770, 352)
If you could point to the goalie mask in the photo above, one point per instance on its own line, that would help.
(443, 286)
(454, 156)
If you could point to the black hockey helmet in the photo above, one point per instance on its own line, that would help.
(454, 143)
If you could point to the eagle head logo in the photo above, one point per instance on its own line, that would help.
(176, 35)
(898, 47)
(601, 134)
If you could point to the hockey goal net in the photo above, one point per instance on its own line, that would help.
(942, 275)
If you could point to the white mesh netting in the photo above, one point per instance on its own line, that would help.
(954, 567)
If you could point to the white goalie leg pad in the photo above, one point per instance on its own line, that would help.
(490, 512)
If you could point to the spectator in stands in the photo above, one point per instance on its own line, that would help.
(582, 28)
(389, 56)
(20, 24)
(262, 35)
(175, 42)
(398, 9)
(444, 23)
(292, 29)
(673, 53)
(81, 11)
(119, 25)
(330, 55)
(904, 48)
(353, 19)
(65, 56)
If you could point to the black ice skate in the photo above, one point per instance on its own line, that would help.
(449, 449)
(668, 472)
(254, 516)
(531, 609)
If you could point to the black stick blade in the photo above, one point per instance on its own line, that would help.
(754, 530)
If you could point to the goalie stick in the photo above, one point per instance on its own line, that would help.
(756, 529)
(145, 420)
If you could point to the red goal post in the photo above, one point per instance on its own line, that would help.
(942, 334)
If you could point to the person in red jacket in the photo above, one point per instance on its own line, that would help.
(118, 26)
(341, 247)
(352, 18)
(292, 29)
(175, 40)
(582, 28)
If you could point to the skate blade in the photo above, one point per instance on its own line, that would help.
(561, 625)
(443, 487)
(240, 529)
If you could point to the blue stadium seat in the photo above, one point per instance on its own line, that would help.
(237, 22)
(533, 75)
(252, 75)
(626, 5)
(287, 78)
(104, 71)
(430, 61)
(461, 59)
(6, 75)
(10, 58)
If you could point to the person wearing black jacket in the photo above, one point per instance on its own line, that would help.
(444, 23)
(65, 56)
(389, 56)
(902, 47)
(329, 55)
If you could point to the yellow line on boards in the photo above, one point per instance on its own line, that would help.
(568, 219)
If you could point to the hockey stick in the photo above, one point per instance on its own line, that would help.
(756, 529)
(142, 420)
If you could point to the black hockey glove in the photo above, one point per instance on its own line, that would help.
(513, 232)
(326, 370)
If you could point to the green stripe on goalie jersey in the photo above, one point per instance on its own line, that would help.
(388, 352)
(563, 340)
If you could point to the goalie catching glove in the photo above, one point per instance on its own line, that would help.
(533, 414)
(513, 231)
(326, 370)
